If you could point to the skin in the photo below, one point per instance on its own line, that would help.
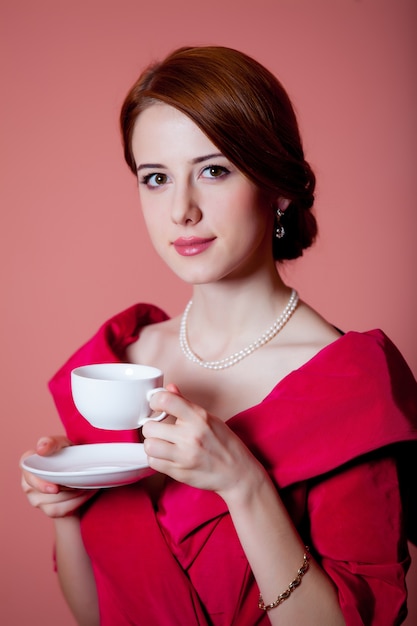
(213, 228)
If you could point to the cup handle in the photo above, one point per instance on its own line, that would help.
(154, 418)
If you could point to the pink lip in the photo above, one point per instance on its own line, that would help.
(189, 246)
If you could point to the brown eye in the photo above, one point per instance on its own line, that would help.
(155, 180)
(215, 171)
(160, 179)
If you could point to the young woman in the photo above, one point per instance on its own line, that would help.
(282, 432)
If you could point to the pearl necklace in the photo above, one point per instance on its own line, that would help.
(241, 354)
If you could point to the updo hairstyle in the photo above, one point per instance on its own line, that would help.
(247, 114)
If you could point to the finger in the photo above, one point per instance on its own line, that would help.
(162, 466)
(67, 507)
(64, 503)
(159, 449)
(38, 491)
(38, 498)
(173, 388)
(175, 404)
(45, 446)
(30, 482)
(158, 430)
(49, 445)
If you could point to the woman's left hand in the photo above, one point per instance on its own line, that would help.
(199, 449)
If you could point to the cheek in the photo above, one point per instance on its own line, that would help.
(149, 209)
(154, 228)
(152, 224)
(252, 213)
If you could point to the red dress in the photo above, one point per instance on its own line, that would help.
(334, 436)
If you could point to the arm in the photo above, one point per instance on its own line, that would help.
(73, 564)
(200, 450)
(275, 553)
(75, 572)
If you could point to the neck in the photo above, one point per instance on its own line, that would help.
(242, 352)
(233, 313)
(261, 294)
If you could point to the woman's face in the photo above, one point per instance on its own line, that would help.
(206, 220)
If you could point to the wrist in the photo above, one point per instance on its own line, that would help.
(66, 521)
(247, 486)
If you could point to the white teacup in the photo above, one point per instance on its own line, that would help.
(115, 396)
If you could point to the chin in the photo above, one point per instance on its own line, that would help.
(194, 278)
(192, 272)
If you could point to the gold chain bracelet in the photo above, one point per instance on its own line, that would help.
(293, 585)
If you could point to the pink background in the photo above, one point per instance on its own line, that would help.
(74, 250)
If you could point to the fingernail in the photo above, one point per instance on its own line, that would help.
(43, 441)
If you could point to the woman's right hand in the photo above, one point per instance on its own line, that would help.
(54, 500)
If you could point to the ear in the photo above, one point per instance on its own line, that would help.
(283, 204)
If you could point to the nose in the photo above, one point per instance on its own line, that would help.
(185, 207)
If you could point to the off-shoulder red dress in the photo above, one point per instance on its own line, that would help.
(335, 436)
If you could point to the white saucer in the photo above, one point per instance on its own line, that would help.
(91, 466)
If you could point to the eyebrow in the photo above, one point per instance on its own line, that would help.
(194, 161)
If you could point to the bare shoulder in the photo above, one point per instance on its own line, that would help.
(303, 338)
(310, 331)
(154, 340)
